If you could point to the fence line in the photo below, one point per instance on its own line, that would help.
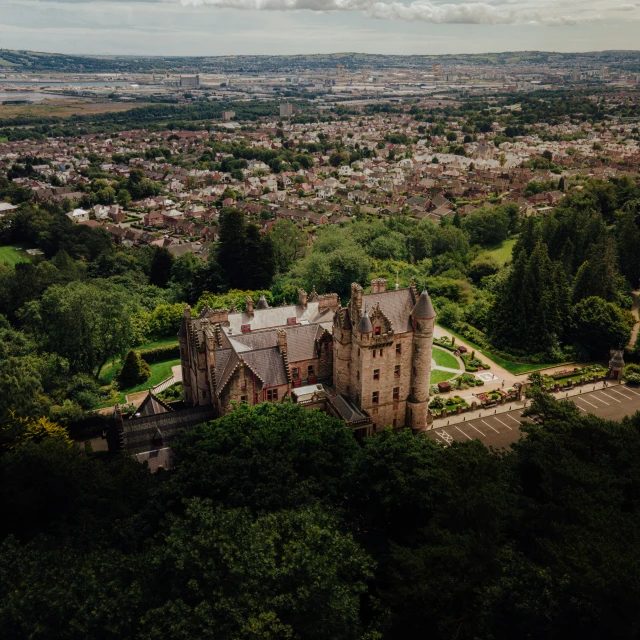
(163, 385)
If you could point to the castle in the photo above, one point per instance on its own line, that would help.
(368, 363)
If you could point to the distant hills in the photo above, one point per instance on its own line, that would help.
(11, 60)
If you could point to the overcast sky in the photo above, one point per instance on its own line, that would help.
(219, 27)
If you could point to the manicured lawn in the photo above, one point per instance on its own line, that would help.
(109, 370)
(159, 371)
(516, 368)
(444, 359)
(9, 255)
(162, 342)
(503, 253)
(440, 376)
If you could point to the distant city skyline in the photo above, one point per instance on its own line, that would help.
(271, 27)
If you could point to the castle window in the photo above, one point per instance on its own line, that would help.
(377, 331)
(243, 398)
(358, 352)
(396, 371)
(381, 353)
(398, 349)
(204, 394)
(310, 371)
(376, 374)
(295, 373)
(374, 398)
(374, 353)
(396, 393)
(272, 395)
(243, 384)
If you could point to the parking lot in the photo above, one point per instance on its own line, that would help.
(500, 430)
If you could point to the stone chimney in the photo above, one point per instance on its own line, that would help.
(282, 340)
(219, 315)
(328, 301)
(302, 298)
(356, 295)
(249, 302)
(378, 285)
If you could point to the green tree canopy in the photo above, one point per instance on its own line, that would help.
(86, 323)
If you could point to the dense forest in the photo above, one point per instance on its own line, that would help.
(275, 523)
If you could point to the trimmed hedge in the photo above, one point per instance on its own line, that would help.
(160, 354)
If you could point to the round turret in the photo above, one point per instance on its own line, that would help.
(364, 325)
(424, 309)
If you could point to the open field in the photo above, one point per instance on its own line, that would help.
(9, 255)
(65, 107)
(503, 253)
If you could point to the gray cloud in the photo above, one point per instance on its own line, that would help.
(499, 12)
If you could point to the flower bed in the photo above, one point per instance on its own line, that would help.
(473, 364)
(577, 375)
(445, 343)
(438, 404)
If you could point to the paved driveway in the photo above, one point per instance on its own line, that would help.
(500, 427)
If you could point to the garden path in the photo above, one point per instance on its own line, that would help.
(502, 374)
(635, 309)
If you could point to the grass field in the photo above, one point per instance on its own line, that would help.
(444, 359)
(109, 371)
(159, 371)
(65, 107)
(9, 255)
(503, 253)
(440, 376)
(3, 139)
(162, 342)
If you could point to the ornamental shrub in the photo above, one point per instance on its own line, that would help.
(134, 371)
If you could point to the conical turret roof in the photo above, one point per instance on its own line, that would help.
(262, 303)
(364, 325)
(617, 360)
(424, 309)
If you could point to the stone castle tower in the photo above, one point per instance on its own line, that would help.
(382, 354)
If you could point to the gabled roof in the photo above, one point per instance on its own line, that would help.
(396, 305)
(152, 406)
